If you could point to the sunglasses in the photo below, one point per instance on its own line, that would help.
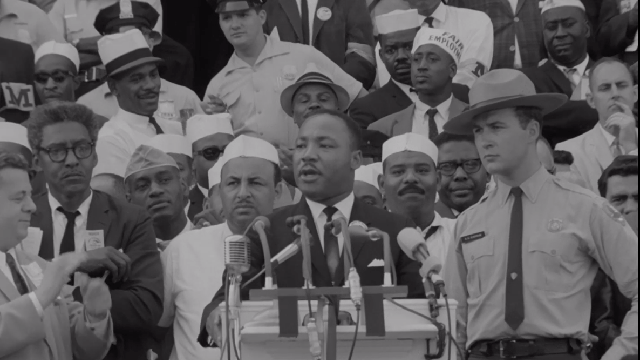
(211, 153)
(470, 166)
(58, 76)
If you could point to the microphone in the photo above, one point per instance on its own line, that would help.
(352, 279)
(286, 253)
(236, 255)
(414, 246)
(360, 230)
(259, 224)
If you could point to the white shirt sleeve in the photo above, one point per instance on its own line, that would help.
(335, 72)
(477, 55)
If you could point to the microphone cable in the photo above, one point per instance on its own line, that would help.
(228, 325)
(355, 336)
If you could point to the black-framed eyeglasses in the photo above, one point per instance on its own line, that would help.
(59, 76)
(210, 153)
(470, 166)
(59, 154)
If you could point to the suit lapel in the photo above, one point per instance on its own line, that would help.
(317, 23)
(396, 93)
(520, 5)
(317, 253)
(7, 288)
(290, 7)
(98, 216)
(598, 143)
(403, 121)
(42, 219)
(557, 77)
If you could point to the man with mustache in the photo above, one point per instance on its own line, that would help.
(248, 175)
(435, 60)
(117, 237)
(463, 179)
(613, 92)
(410, 183)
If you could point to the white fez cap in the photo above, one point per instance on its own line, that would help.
(215, 173)
(14, 133)
(397, 20)
(247, 146)
(63, 49)
(552, 4)
(447, 40)
(146, 157)
(199, 126)
(369, 174)
(171, 143)
(410, 142)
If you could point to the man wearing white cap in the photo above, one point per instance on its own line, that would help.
(523, 287)
(194, 264)
(436, 56)
(209, 136)
(366, 187)
(179, 148)
(14, 139)
(56, 72)
(133, 77)
(410, 185)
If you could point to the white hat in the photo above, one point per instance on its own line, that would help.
(147, 157)
(447, 40)
(215, 173)
(410, 142)
(247, 146)
(552, 4)
(397, 20)
(125, 51)
(171, 143)
(369, 174)
(199, 126)
(14, 133)
(63, 49)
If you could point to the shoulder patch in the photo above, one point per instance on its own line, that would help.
(612, 212)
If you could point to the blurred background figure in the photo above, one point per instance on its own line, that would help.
(366, 185)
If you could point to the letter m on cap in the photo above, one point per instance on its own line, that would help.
(18, 96)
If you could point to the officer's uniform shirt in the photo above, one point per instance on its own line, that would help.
(102, 102)
(568, 233)
(254, 92)
(420, 122)
(193, 267)
(475, 31)
(24, 22)
(74, 18)
(438, 243)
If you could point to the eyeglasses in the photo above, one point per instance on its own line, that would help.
(59, 154)
(211, 153)
(59, 76)
(470, 166)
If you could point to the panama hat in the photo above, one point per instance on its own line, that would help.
(502, 89)
(125, 51)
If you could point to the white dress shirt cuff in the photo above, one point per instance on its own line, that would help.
(101, 327)
(36, 304)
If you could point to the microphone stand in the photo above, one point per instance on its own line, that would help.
(268, 278)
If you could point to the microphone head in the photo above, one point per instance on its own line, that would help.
(358, 223)
(409, 239)
(262, 219)
(236, 254)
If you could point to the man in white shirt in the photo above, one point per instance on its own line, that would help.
(248, 174)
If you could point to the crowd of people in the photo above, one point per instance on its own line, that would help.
(136, 135)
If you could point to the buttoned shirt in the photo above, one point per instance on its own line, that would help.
(406, 89)
(59, 222)
(193, 267)
(568, 233)
(420, 123)
(24, 22)
(312, 4)
(74, 18)
(252, 93)
(122, 134)
(438, 243)
(475, 31)
(176, 97)
(320, 218)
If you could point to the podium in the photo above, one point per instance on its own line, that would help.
(394, 332)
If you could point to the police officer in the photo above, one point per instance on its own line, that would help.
(523, 287)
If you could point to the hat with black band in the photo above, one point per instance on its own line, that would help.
(223, 6)
(125, 51)
(126, 13)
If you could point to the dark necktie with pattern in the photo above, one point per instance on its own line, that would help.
(331, 247)
(21, 284)
(431, 122)
(68, 243)
(155, 125)
(514, 302)
(429, 21)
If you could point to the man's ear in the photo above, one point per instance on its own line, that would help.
(281, 187)
(356, 159)
(36, 163)
(381, 184)
(111, 84)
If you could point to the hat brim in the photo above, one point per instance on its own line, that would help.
(136, 63)
(463, 123)
(286, 98)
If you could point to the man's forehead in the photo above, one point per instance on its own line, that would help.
(406, 158)
(65, 132)
(563, 12)
(459, 148)
(611, 72)
(322, 126)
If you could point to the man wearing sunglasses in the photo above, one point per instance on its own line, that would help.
(463, 179)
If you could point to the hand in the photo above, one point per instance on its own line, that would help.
(214, 326)
(206, 218)
(107, 258)
(57, 275)
(623, 126)
(286, 157)
(214, 105)
(96, 298)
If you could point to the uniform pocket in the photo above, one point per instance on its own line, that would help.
(555, 258)
(479, 258)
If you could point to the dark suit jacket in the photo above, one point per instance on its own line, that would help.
(570, 120)
(196, 200)
(364, 252)
(613, 32)
(349, 23)
(16, 66)
(137, 302)
(385, 101)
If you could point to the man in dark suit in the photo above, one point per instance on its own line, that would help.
(17, 97)
(566, 30)
(617, 30)
(116, 236)
(340, 29)
(325, 161)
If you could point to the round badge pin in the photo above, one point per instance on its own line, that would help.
(324, 13)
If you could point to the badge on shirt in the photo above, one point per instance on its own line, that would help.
(93, 239)
(473, 237)
(324, 13)
(555, 225)
(166, 109)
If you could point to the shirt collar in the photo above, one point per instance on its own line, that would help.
(204, 191)
(131, 118)
(439, 14)
(273, 47)
(437, 221)
(610, 138)
(580, 68)
(404, 87)
(530, 188)
(443, 107)
(83, 209)
(343, 206)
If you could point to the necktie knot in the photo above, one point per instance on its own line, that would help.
(429, 21)
(570, 72)
(71, 216)
(516, 192)
(329, 211)
(155, 125)
(431, 113)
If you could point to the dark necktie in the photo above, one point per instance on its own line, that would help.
(331, 248)
(155, 125)
(429, 21)
(68, 243)
(304, 14)
(432, 230)
(21, 284)
(514, 302)
(431, 121)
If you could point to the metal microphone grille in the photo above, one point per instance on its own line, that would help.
(236, 254)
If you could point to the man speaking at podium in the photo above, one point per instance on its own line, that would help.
(325, 159)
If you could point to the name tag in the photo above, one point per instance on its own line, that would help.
(473, 237)
(93, 239)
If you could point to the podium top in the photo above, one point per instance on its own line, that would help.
(315, 293)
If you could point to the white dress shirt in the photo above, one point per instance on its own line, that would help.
(407, 90)
(420, 122)
(59, 222)
(313, 4)
(438, 242)
(581, 71)
(193, 265)
(320, 218)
